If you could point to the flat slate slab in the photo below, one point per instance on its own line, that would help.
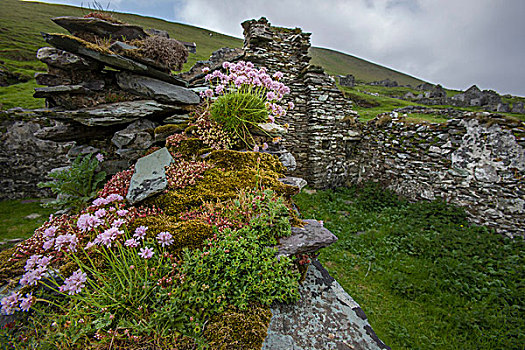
(326, 318)
(308, 239)
(149, 177)
(100, 27)
(83, 48)
(156, 89)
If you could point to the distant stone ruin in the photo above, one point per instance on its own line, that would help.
(347, 80)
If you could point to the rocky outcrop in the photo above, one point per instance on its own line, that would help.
(326, 317)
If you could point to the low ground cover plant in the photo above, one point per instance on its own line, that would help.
(426, 278)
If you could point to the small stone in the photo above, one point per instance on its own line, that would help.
(308, 239)
(149, 177)
(32, 216)
(298, 182)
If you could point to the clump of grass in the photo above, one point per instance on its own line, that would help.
(426, 278)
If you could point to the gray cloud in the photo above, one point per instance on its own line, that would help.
(455, 43)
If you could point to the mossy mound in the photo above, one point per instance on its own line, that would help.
(10, 269)
(186, 234)
(232, 329)
(235, 160)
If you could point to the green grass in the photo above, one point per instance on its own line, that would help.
(13, 221)
(20, 95)
(424, 276)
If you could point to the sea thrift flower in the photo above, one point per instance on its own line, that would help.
(70, 239)
(100, 202)
(205, 69)
(265, 146)
(87, 222)
(27, 302)
(256, 148)
(165, 239)
(75, 283)
(50, 232)
(117, 223)
(140, 232)
(10, 303)
(108, 236)
(208, 93)
(122, 212)
(44, 261)
(100, 213)
(31, 278)
(278, 75)
(32, 261)
(100, 157)
(114, 198)
(146, 253)
(48, 244)
(132, 242)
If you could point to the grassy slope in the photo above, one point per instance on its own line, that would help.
(21, 24)
(338, 63)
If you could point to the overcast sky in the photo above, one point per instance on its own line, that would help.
(456, 43)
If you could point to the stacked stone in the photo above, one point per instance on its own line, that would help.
(476, 161)
(321, 118)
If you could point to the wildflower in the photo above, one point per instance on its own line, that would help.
(140, 232)
(122, 212)
(114, 198)
(48, 244)
(208, 93)
(100, 157)
(205, 69)
(75, 283)
(265, 146)
(117, 223)
(10, 303)
(50, 232)
(100, 202)
(146, 253)
(89, 245)
(70, 239)
(291, 105)
(132, 242)
(256, 148)
(87, 221)
(219, 89)
(226, 65)
(278, 75)
(32, 261)
(27, 302)
(165, 239)
(270, 96)
(31, 278)
(44, 261)
(108, 236)
(100, 213)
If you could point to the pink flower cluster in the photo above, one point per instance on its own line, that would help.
(36, 268)
(75, 283)
(118, 184)
(185, 173)
(242, 77)
(15, 302)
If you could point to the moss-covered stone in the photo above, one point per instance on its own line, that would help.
(164, 131)
(229, 160)
(234, 329)
(189, 148)
(10, 270)
(186, 234)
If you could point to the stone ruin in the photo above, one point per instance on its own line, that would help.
(347, 80)
(330, 147)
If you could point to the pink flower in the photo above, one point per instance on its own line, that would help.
(48, 244)
(226, 65)
(27, 302)
(31, 278)
(219, 89)
(271, 118)
(132, 242)
(100, 202)
(31, 262)
(100, 157)
(86, 222)
(278, 75)
(50, 232)
(140, 232)
(114, 197)
(208, 93)
(146, 253)
(291, 105)
(205, 69)
(44, 261)
(122, 212)
(271, 96)
(265, 146)
(108, 236)
(256, 148)
(75, 283)
(10, 303)
(100, 213)
(165, 239)
(117, 223)
(70, 239)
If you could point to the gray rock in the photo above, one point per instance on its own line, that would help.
(517, 107)
(66, 60)
(308, 239)
(75, 46)
(80, 150)
(59, 89)
(177, 119)
(116, 113)
(119, 46)
(326, 318)
(100, 27)
(288, 161)
(137, 135)
(294, 181)
(157, 32)
(50, 79)
(503, 108)
(70, 131)
(156, 89)
(149, 177)
(347, 80)
(269, 129)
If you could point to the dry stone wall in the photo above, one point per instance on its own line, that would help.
(476, 161)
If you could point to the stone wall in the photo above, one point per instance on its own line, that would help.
(321, 123)
(476, 161)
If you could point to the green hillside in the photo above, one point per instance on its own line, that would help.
(21, 23)
(338, 63)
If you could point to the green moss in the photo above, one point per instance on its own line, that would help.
(186, 234)
(10, 269)
(86, 44)
(230, 160)
(234, 329)
(189, 147)
(170, 129)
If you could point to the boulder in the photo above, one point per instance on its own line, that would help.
(517, 107)
(62, 131)
(326, 317)
(149, 177)
(104, 56)
(66, 60)
(347, 80)
(304, 240)
(503, 108)
(137, 135)
(59, 89)
(156, 89)
(100, 27)
(298, 182)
